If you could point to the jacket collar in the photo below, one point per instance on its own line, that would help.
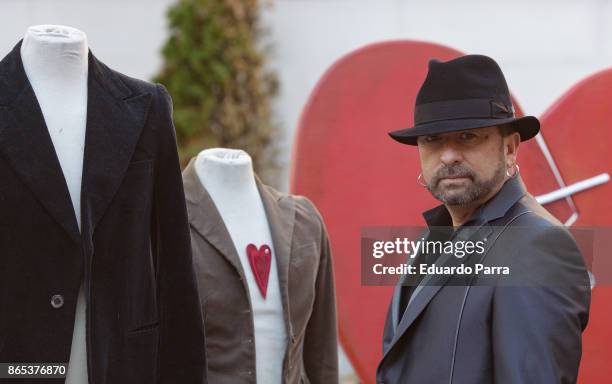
(206, 220)
(115, 118)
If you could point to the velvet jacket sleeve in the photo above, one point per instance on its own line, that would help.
(182, 354)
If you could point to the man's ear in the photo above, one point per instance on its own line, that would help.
(511, 144)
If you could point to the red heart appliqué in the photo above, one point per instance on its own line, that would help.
(260, 260)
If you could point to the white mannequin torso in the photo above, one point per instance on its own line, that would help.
(227, 175)
(55, 60)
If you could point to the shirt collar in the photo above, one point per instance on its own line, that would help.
(497, 206)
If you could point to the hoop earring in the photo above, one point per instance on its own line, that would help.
(516, 172)
(420, 180)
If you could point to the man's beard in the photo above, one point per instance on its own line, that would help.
(475, 190)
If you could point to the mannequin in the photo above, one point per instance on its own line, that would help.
(55, 60)
(130, 253)
(227, 175)
(286, 331)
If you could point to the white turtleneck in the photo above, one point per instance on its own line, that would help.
(55, 60)
(227, 175)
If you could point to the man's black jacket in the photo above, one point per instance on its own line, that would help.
(524, 327)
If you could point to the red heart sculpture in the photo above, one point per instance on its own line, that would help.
(344, 161)
(260, 261)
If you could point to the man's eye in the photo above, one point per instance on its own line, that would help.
(467, 136)
(430, 139)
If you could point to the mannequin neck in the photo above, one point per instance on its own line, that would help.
(55, 54)
(226, 172)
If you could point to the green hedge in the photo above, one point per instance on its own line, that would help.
(214, 68)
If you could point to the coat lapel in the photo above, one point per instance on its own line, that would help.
(115, 118)
(431, 285)
(280, 211)
(26, 144)
(206, 220)
(395, 299)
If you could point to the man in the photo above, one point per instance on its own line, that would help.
(525, 329)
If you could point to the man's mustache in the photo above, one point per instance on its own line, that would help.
(451, 171)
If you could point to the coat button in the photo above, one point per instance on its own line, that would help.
(57, 301)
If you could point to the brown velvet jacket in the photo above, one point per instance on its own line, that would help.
(306, 282)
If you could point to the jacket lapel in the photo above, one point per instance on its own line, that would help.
(395, 299)
(26, 145)
(431, 285)
(115, 118)
(206, 220)
(280, 211)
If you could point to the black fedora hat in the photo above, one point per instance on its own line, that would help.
(464, 93)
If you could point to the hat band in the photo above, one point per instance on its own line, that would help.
(462, 109)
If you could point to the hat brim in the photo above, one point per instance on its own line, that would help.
(526, 126)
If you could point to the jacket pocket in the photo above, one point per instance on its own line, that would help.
(143, 329)
(141, 353)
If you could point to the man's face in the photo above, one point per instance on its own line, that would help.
(466, 166)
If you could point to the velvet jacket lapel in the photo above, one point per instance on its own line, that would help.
(280, 211)
(206, 220)
(115, 117)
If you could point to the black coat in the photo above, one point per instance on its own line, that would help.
(144, 322)
(523, 328)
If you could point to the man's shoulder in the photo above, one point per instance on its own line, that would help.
(538, 249)
(528, 213)
(529, 231)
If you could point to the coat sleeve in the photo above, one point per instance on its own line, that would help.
(537, 323)
(321, 340)
(181, 350)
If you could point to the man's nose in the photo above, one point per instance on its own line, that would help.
(450, 155)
